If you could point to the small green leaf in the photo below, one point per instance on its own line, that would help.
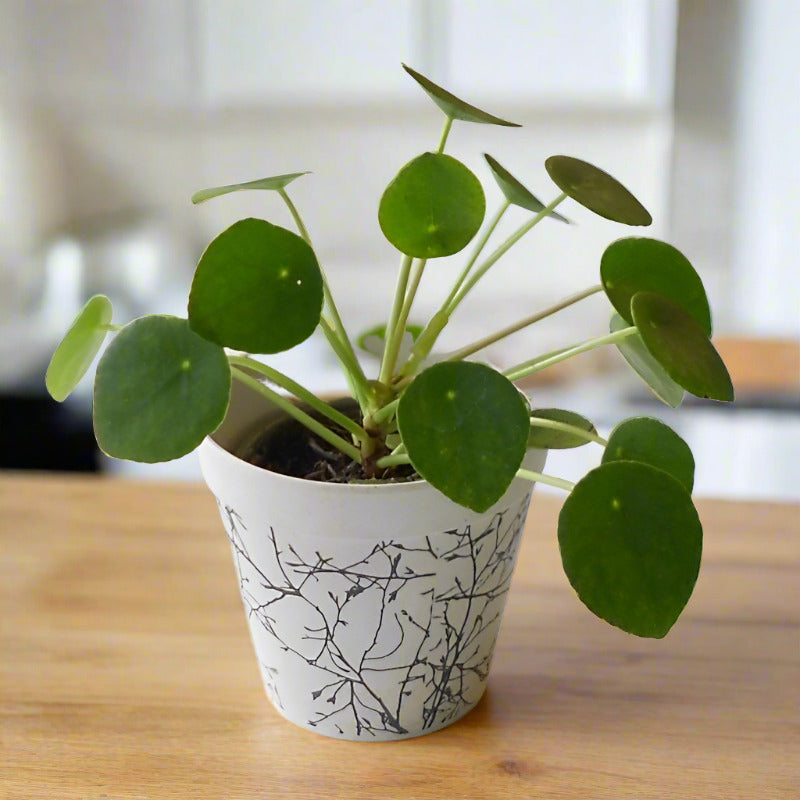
(433, 207)
(515, 192)
(78, 348)
(274, 183)
(639, 264)
(258, 288)
(159, 390)
(652, 442)
(646, 367)
(466, 429)
(551, 439)
(373, 340)
(631, 543)
(596, 190)
(454, 107)
(676, 340)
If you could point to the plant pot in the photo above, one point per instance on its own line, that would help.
(373, 608)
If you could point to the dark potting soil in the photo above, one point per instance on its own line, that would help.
(289, 448)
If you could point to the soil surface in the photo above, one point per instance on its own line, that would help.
(289, 448)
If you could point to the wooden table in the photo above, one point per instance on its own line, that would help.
(126, 670)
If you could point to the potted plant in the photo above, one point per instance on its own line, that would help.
(375, 537)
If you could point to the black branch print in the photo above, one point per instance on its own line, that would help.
(400, 636)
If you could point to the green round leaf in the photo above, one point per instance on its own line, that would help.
(466, 428)
(652, 442)
(676, 340)
(273, 183)
(639, 264)
(631, 543)
(258, 288)
(646, 367)
(454, 107)
(433, 207)
(558, 439)
(515, 192)
(596, 190)
(78, 348)
(159, 390)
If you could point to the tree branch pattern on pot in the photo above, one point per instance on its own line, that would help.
(405, 630)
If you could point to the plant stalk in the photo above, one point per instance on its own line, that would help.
(502, 250)
(284, 403)
(352, 366)
(394, 333)
(537, 364)
(523, 323)
(552, 424)
(448, 123)
(550, 480)
(436, 324)
(300, 392)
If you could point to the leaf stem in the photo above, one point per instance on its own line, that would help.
(284, 403)
(552, 424)
(384, 414)
(538, 364)
(307, 396)
(416, 277)
(469, 349)
(350, 362)
(501, 251)
(550, 480)
(448, 123)
(394, 333)
(392, 460)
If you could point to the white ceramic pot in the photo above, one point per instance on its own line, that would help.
(373, 609)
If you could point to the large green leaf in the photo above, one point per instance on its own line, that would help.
(596, 190)
(257, 287)
(454, 107)
(646, 367)
(81, 343)
(650, 441)
(638, 264)
(159, 390)
(433, 207)
(465, 428)
(631, 543)
(273, 183)
(676, 340)
(515, 192)
(562, 438)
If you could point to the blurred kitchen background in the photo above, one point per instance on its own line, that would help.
(113, 112)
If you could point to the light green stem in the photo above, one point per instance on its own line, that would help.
(301, 416)
(351, 363)
(300, 392)
(448, 123)
(479, 245)
(538, 364)
(523, 323)
(550, 480)
(427, 339)
(386, 413)
(392, 460)
(394, 333)
(350, 366)
(419, 268)
(552, 424)
(502, 250)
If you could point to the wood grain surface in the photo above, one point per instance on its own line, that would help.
(126, 670)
